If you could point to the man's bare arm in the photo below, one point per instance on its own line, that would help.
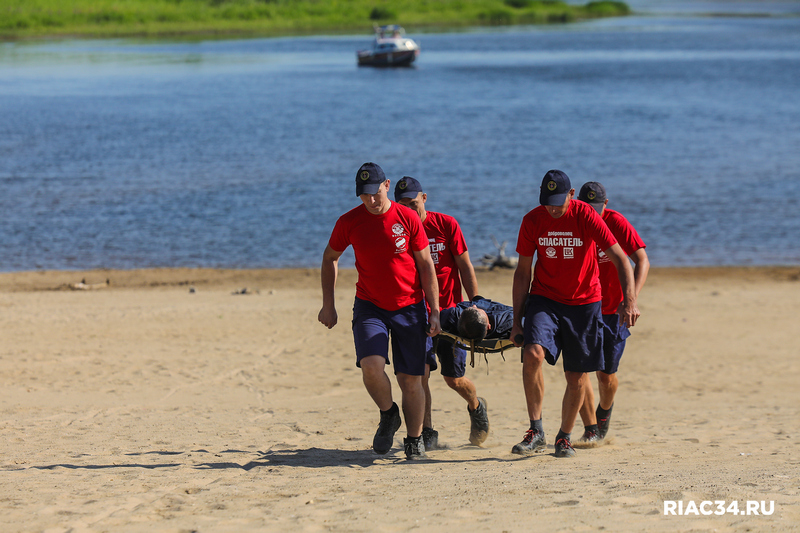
(328, 274)
(467, 272)
(519, 293)
(628, 310)
(641, 268)
(430, 286)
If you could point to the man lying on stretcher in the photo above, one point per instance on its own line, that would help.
(477, 320)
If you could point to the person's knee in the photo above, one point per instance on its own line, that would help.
(575, 380)
(373, 364)
(606, 379)
(456, 383)
(533, 354)
(407, 382)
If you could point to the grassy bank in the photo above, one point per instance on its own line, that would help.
(115, 18)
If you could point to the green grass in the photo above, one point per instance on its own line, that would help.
(115, 18)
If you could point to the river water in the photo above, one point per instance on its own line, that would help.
(242, 153)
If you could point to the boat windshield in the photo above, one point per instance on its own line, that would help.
(391, 30)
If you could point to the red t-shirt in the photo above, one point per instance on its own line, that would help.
(384, 246)
(566, 254)
(630, 241)
(447, 242)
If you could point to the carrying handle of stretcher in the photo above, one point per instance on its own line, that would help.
(519, 339)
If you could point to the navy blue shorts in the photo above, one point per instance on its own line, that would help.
(613, 342)
(452, 357)
(371, 328)
(574, 330)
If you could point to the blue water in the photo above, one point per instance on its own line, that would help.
(242, 153)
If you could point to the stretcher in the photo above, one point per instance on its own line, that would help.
(486, 346)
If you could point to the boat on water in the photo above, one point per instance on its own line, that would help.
(391, 48)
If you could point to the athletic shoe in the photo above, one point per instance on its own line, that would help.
(384, 437)
(431, 438)
(603, 423)
(590, 436)
(532, 442)
(479, 419)
(564, 448)
(415, 448)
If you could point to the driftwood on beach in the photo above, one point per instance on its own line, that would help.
(83, 286)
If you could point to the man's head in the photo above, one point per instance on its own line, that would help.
(473, 324)
(372, 188)
(408, 192)
(369, 179)
(594, 194)
(556, 192)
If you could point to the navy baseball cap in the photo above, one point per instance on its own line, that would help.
(407, 187)
(369, 178)
(555, 188)
(594, 194)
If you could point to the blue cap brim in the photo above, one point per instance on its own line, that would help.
(368, 188)
(406, 194)
(598, 206)
(553, 199)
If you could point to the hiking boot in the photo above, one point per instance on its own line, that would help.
(415, 448)
(603, 423)
(431, 438)
(590, 436)
(384, 437)
(479, 419)
(532, 442)
(564, 448)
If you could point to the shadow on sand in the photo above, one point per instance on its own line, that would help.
(306, 458)
(323, 458)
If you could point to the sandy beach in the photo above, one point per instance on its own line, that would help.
(173, 400)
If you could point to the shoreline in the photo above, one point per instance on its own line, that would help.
(156, 18)
(270, 278)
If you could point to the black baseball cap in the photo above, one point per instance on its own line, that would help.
(594, 194)
(369, 178)
(555, 188)
(407, 187)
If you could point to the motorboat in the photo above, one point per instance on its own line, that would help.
(391, 48)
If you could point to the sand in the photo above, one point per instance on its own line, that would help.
(165, 402)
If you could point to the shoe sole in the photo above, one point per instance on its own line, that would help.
(534, 451)
(479, 437)
(584, 443)
(416, 457)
